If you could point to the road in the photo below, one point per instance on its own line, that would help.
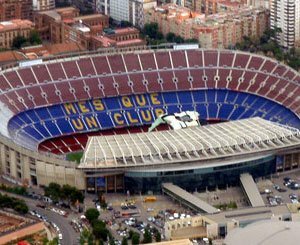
(68, 233)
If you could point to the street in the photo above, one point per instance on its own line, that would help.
(70, 237)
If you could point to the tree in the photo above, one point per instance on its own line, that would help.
(135, 239)
(157, 236)
(34, 38)
(86, 237)
(151, 30)
(92, 214)
(53, 190)
(99, 230)
(124, 241)
(170, 37)
(147, 236)
(18, 42)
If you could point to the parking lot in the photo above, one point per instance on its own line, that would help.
(277, 190)
(152, 214)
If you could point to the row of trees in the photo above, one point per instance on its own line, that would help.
(66, 193)
(20, 190)
(20, 41)
(14, 203)
(154, 36)
(101, 234)
(269, 46)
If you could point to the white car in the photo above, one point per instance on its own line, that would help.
(60, 237)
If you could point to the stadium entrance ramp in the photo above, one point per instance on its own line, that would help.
(188, 199)
(251, 190)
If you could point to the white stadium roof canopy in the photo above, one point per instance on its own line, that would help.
(253, 135)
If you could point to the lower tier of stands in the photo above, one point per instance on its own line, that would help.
(45, 123)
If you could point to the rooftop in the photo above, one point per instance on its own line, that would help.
(265, 232)
(14, 24)
(246, 136)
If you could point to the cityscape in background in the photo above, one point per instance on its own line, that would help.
(172, 122)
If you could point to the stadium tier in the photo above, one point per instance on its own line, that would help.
(100, 92)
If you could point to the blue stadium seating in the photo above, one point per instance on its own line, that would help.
(56, 120)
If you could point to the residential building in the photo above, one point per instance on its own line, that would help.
(119, 10)
(220, 30)
(102, 6)
(43, 5)
(120, 38)
(285, 15)
(15, 9)
(137, 10)
(13, 28)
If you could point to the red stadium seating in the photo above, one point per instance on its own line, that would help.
(27, 76)
(147, 61)
(101, 65)
(255, 63)
(41, 73)
(86, 67)
(178, 59)
(241, 60)
(195, 58)
(168, 83)
(132, 62)
(116, 63)
(226, 59)
(137, 83)
(13, 79)
(163, 60)
(210, 58)
(56, 71)
(71, 69)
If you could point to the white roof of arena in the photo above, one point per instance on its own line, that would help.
(253, 135)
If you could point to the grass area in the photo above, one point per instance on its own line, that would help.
(75, 156)
(225, 206)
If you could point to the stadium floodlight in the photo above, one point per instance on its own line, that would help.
(177, 120)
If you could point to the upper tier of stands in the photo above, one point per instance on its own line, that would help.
(133, 73)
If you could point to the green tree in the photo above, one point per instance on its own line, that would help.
(53, 190)
(124, 241)
(157, 236)
(151, 30)
(135, 239)
(86, 237)
(34, 38)
(171, 37)
(99, 230)
(92, 214)
(147, 236)
(18, 42)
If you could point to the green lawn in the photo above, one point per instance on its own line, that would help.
(75, 156)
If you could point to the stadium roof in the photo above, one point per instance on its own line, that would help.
(254, 135)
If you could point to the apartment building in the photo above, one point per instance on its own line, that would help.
(15, 9)
(285, 15)
(221, 30)
(13, 28)
(137, 10)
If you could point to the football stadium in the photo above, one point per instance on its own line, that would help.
(98, 107)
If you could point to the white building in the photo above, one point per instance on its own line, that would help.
(119, 10)
(43, 5)
(137, 10)
(102, 7)
(285, 14)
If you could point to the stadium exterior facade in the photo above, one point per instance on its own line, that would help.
(46, 100)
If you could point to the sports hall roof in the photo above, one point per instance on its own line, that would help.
(253, 135)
